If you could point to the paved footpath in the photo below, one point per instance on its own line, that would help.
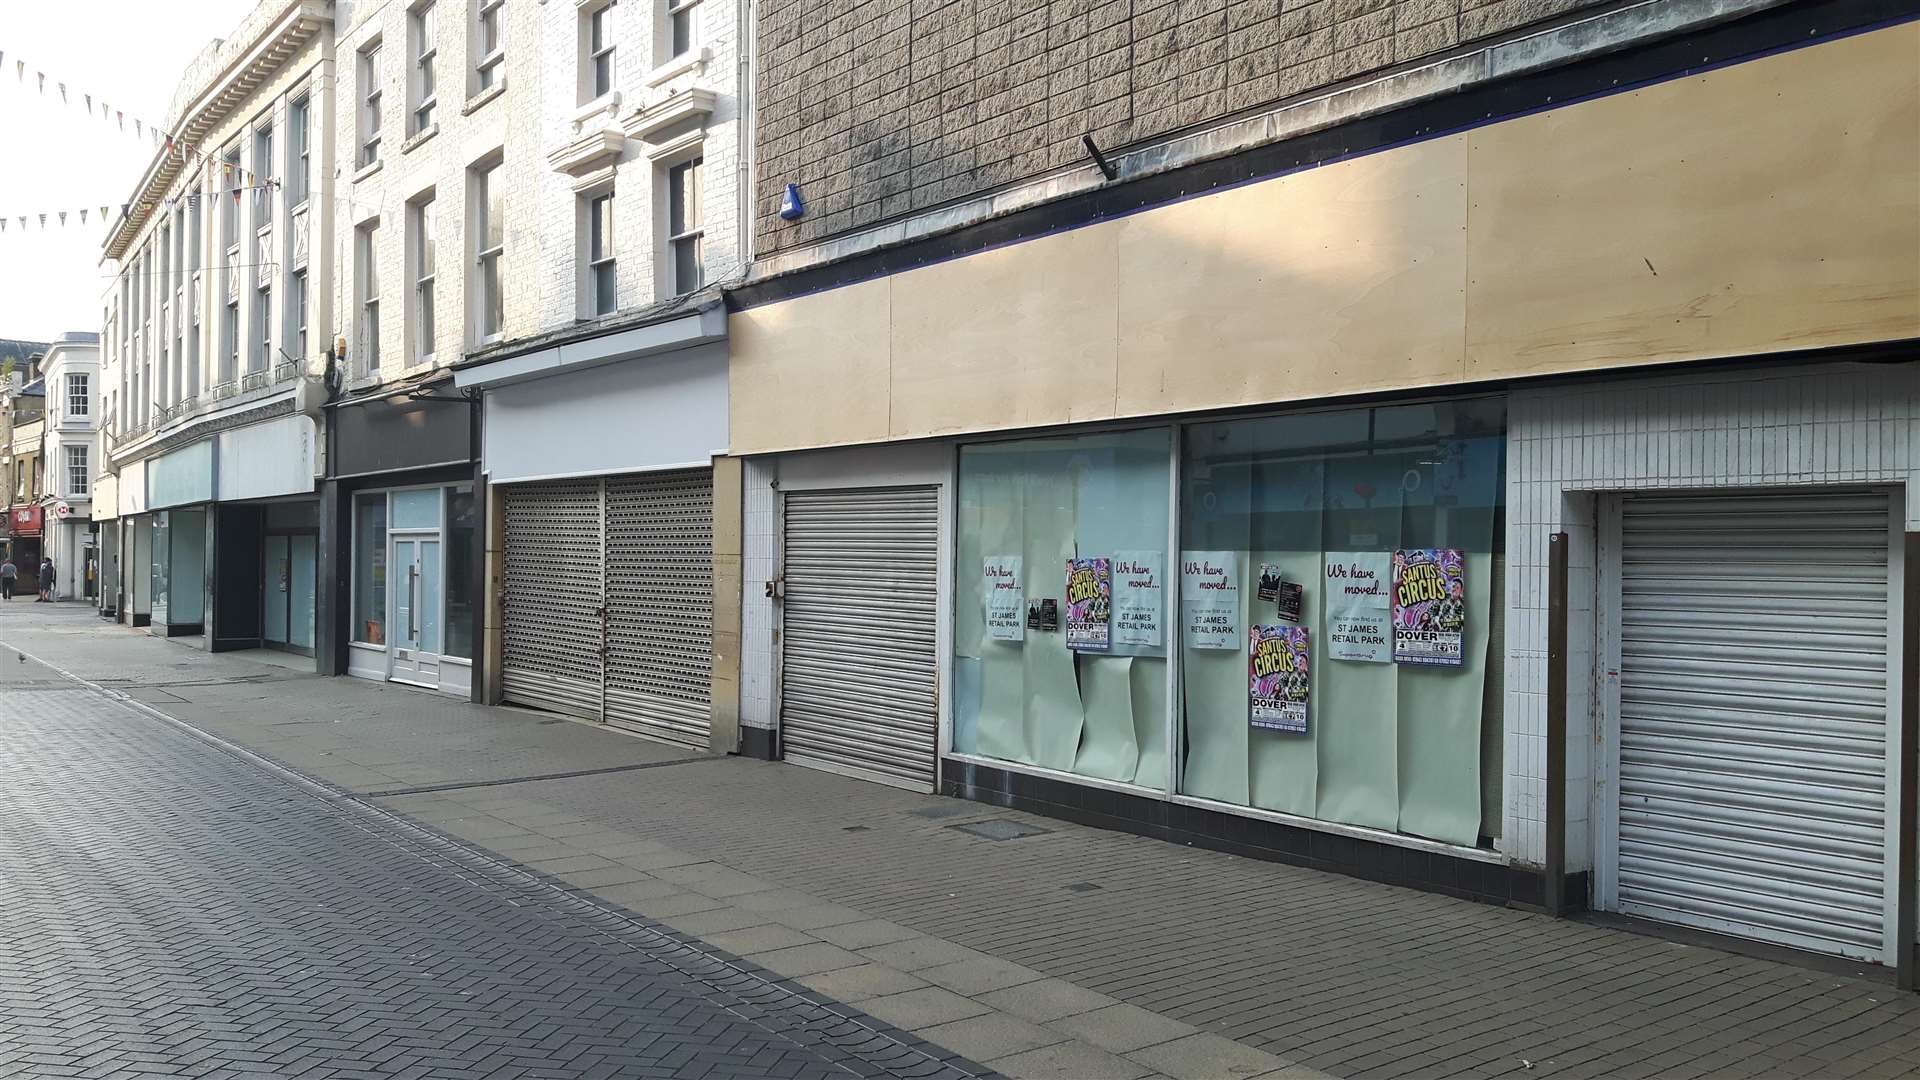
(1067, 952)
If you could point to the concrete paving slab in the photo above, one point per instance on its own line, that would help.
(988, 1036)
(911, 1010)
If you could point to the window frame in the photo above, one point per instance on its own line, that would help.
(676, 16)
(599, 27)
(684, 235)
(372, 94)
(487, 256)
(423, 263)
(423, 97)
(263, 176)
(79, 397)
(79, 483)
(263, 320)
(489, 15)
(297, 285)
(299, 150)
(601, 253)
(367, 310)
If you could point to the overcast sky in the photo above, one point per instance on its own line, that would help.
(129, 52)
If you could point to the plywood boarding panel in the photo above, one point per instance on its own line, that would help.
(1341, 279)
(1770, 205)
(1015, 337)
(810, 371)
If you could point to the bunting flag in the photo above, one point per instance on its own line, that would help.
(142, 129)
(63, 219)
(83, 215)
(63, 93)
(20, 70)
(103, 213)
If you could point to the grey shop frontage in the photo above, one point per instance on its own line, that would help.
(401, 542)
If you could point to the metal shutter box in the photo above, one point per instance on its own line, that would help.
(551, 593)
(660, 605)
(858, 689)
(1753, 709)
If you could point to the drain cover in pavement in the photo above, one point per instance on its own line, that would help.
(1000, 829)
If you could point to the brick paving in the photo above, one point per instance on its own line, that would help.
(1177, 962)
(171, 908)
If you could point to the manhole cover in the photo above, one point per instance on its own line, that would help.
(945, 809)
(1000, 829)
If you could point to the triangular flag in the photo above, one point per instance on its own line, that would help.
(63, 93)
(126, 210)
(63, 219)
(136, 126)
(20, 69)
(42, 76)
(3, 224)
(103, 213)
(43, 221)
(89, 103)
(121, 118)
(83, 215)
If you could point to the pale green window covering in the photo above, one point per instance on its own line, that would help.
(1034, 701)
(1389, 746)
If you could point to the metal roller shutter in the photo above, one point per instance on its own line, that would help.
(660, 605)
(858, 689)
(551, 593)
(1753, 707)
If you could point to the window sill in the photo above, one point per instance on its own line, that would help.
(691, 60)
(419, 138)
(368, 169)
(480, 100)
(608, 103)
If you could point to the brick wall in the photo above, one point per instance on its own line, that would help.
(878, 108)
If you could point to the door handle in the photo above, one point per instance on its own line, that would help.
(413, 602)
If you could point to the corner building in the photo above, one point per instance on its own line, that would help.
(1457, 449)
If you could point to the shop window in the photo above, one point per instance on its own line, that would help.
(462, 549)
(370, 569)
(1339, 577)
(1060, 629)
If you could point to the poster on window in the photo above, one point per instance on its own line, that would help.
(1006, 600)
(1210, 599)
(1358, 606)
(1089, 604)
(1429, 606)
(1279, 672)
(1136, 598)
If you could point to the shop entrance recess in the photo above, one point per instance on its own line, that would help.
(859, 623)
(1747, 684)
(608, 597)
(288, 599)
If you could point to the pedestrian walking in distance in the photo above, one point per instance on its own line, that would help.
(46, 582)
(9, 574)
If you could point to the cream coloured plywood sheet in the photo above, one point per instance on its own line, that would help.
(811, 371)
(1769, 205)
(1334, 280)
(1014, 337)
